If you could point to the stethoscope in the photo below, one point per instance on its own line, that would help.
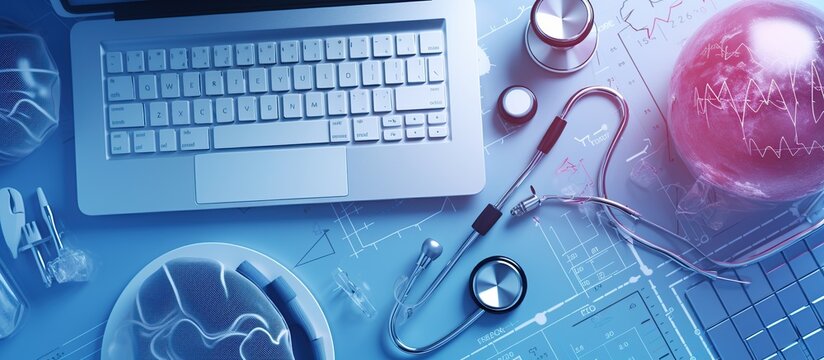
(497, 284)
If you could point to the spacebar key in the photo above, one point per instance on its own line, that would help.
(424, 97)
(271, 134)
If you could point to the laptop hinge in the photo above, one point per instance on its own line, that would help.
(159, 9)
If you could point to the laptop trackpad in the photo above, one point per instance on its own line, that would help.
(271, 175)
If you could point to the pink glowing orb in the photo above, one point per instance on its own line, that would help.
(746, 100)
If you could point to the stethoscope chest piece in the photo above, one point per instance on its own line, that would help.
(561, 36)
(498, 284)
(517, 105)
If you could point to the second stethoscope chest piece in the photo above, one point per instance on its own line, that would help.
(561, 36)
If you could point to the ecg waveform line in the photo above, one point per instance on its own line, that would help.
(773, 97)
(650, 29)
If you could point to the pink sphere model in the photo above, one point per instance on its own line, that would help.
(746, 100)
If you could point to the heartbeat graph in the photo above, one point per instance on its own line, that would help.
(636, 13)
(756, 99)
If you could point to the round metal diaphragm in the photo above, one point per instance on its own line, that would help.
(498, 284)
(517, 104)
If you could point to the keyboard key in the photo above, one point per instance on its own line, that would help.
(805, 321)
(794, 352)
(359, 101)
(815, 343)
(706, 304)
(415, 133)
(157, 60)
(792, 298)
(761, 345)
(247, 108)
(235, 83)
(383, 46)
(325, 77)
(338, 102)
(423, 97)
(438, 132)
(431, 42)
(416, 70)
(223, 55)
(769, 310)
(800, 259)
(382, 100)
(815, 243)
(126, 116)
(292, 106)
(281, 80)
(245, 54)
(747, 322)
(269, 107)
(436, 69)
(225, 109)
(392, 121)
(394, 71)
(200, 57)
(339, 130)
(271, 134)
(782, 333)
(726, 341)
(439, 118)
(313, 50)
(147, 87)
(732, 295)
(315, 104)
(758, 288)
(777, 271)
(303, 77)
(336, 48)
(372, 72)
(168, 140)
(414, 119)
(119, 143)
(134, 61)
(180, 113)
(367, 128)
(359, 47)
(192, 139)
(158, 113)
(179, 59)
(813, 286)
(392, 135)
(289, 52)
(267, 53)
(214, 82)
(258, 80)
(120, 88)
(203, 112)
(191, 84)
(114, 62)
(169, 85)
(144, 141)
(348, 74)
(406, 44)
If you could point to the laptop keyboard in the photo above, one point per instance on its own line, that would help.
(352, 90)
(778, 316)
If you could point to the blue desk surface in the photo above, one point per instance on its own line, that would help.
(576, 265)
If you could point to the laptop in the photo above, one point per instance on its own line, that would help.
(185, 105)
